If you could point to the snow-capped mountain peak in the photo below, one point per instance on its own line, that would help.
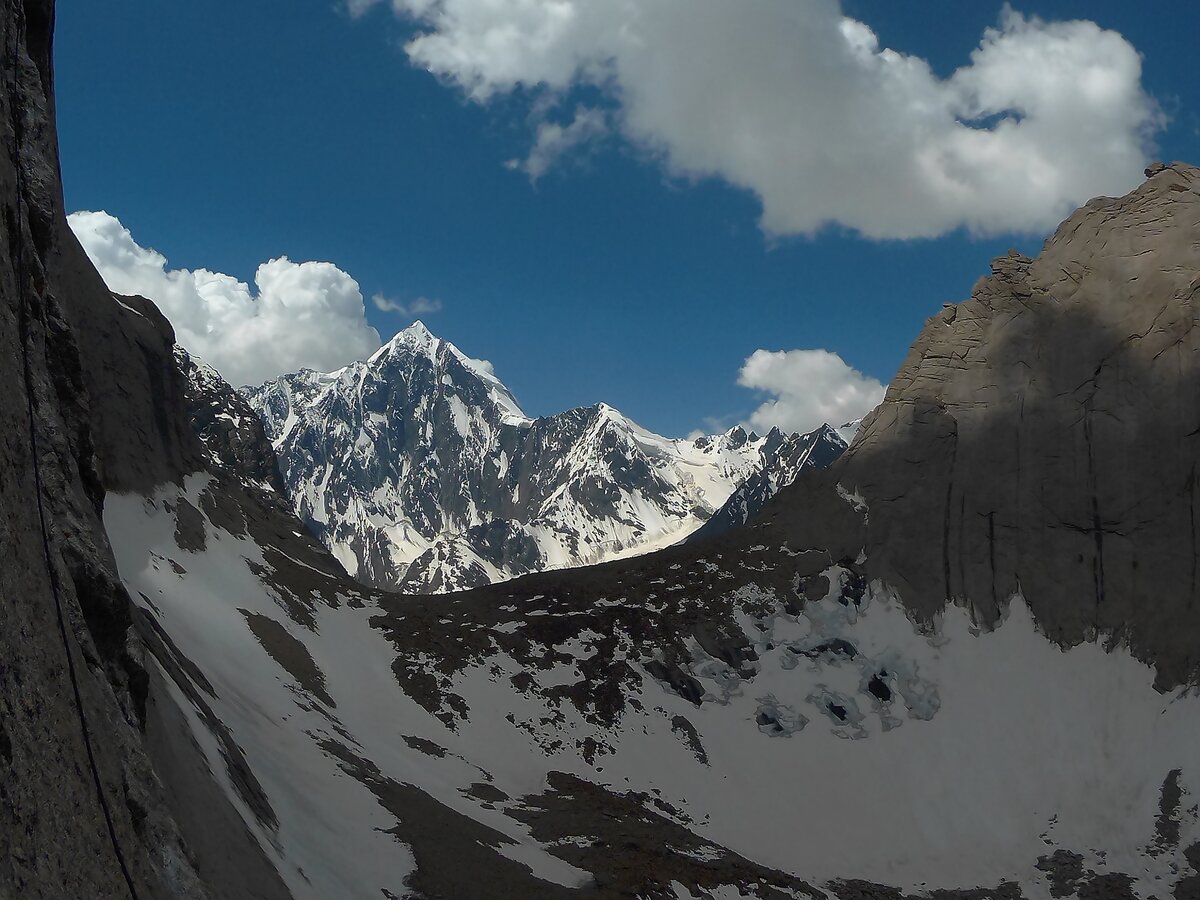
(415, 339)
(418, 468)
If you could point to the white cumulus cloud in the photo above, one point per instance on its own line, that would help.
(800, 104)
(808, 388)
(299, 314)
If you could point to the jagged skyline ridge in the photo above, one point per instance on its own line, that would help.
(418, 469)
(658, 281)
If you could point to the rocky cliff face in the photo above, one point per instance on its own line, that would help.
(1043, 438)
(81, 811)
(102, 792)
(418, 470)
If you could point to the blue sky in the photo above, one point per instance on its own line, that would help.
(224, 135)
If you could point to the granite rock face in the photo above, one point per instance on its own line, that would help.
(82, 813)
(94, 406)
(1044, 437)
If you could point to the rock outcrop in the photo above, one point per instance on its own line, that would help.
(228, 427)
(1043, 438)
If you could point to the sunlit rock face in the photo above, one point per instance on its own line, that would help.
(232, 434)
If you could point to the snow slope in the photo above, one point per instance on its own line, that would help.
(774, 719)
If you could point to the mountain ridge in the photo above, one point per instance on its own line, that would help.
(444, 483)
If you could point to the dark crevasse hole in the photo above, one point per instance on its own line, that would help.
(838, 710)
(837, 647)
(680, 682)
(879, 689)
(765, 720)
(6, 749)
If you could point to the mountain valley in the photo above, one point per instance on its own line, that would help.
(955, 660)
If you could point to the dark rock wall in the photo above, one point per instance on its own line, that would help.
(81, 812)
(139, 424)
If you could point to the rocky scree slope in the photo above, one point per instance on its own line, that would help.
(899, 680)
(419, 471)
